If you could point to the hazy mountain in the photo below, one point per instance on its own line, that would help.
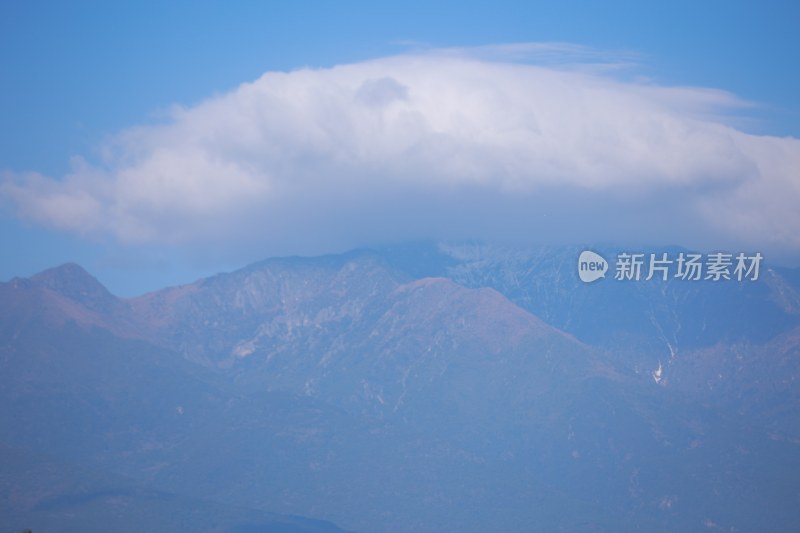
(729, 342)
(80, 381)
(670, 315)
(420, 388)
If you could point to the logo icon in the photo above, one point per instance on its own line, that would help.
(591, 266)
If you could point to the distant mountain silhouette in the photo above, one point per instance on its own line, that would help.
(419, 388)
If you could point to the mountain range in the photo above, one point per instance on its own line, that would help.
(424, 387)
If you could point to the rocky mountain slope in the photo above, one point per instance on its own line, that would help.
(427, 388)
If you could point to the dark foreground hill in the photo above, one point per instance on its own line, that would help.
(417, 389)
(42, 493)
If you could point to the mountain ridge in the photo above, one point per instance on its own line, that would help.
(353, 389)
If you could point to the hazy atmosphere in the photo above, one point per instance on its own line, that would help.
(339, 267)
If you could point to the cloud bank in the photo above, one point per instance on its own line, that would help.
(446, 144)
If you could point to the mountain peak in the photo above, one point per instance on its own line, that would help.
(75, 283)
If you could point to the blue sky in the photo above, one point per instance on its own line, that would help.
(76, 79)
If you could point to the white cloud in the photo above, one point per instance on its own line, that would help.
(436, 144)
